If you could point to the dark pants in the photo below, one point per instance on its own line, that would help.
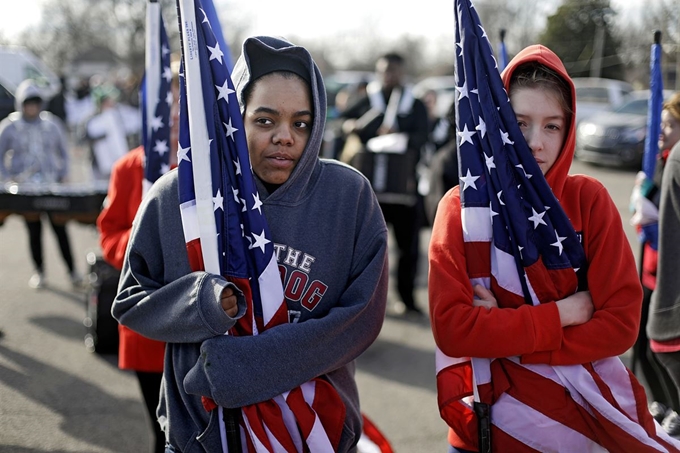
(150, 384)
(34, 226)
(406, 223)
(670, 361)
(658, 383)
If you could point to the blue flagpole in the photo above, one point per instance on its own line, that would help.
(503, 54)
(654, 106)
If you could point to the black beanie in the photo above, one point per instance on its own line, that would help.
(264, 60)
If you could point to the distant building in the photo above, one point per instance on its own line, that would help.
(95, 61)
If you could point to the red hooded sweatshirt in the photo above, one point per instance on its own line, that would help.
(534, 333)
(135, 352)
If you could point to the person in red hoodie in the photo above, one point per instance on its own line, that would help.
(136, 352)
(554, 382)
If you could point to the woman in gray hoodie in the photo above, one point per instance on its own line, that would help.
(330, 241)
(33, 150)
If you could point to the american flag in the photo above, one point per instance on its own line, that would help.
(211, 13)
(157, 98)
(507, 204)
(502, 186)
(227, 234)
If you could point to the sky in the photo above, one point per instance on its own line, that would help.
(18, 16)
(304, 18)
(294, 17)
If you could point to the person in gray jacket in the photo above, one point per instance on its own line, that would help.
(33, 150)
(663, 325)
(330, 238)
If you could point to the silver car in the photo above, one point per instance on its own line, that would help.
(616, 137)
(595, 94)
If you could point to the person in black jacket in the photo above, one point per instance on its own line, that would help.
(57, 104)
(386, 129)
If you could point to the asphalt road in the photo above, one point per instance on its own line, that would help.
(55, 396)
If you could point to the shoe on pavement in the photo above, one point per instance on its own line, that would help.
(37, 281)
(671, 424)
(413, 313)
(658, 411)
(76, 279)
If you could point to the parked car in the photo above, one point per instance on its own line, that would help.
(343, 88)
(348, 82)
(6, 102)
(616, 137)
(595, 94)
(18, 64)
(444, 86)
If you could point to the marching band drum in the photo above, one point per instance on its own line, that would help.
(81, 202)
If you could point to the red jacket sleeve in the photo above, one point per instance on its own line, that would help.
(535, 332)
(613, 282)
(122, 201)
(461, 330)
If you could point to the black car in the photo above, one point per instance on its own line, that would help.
(616, 137)
(6, 102)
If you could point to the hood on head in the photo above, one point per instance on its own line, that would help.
(557, 175)
(26, 90)
(262, 55)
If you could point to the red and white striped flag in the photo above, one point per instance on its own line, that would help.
(227, 234)
(519, 242)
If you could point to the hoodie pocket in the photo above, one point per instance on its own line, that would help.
(210, 438)
(348, 440)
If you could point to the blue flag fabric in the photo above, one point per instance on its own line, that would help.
(655, 104)
(244, 247)
(211, 14)
(497, 168)
(157, 143)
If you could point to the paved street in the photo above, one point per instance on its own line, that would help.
(55, 396)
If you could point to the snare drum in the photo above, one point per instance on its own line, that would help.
(392, 175)
(81, 202)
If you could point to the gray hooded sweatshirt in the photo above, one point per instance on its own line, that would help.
(664, 309)
(38, 148)
(331, 246)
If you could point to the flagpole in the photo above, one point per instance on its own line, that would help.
(654, 107)
(152, 73)
(503, 57)
(152, 61)
(200, 142)
(200, 151)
